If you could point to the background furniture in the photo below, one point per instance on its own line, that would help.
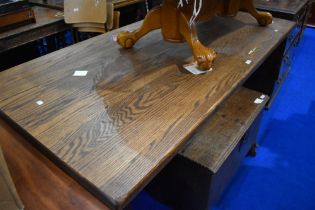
(294, 10)
(51, 33)
(86, 16)
(311, 19)
(130, 10)
(59, 3)
(19, 45)
(14, 14)
(48, 22)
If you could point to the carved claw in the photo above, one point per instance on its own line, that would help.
(126, 39)
(265, 18)
(203, 56)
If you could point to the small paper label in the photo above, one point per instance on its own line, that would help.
(252, 51)
(193, 68)
(248, 62)
(262, 96)
(76, 10)
(59, 14)
(258, 101)
(40, 102)
(80, 73)
(114, 38)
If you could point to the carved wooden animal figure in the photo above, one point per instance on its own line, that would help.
(173, 20)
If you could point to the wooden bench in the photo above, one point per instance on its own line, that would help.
(210, 160)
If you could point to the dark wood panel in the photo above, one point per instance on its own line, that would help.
(311, 19)
(48, 22)
(58, 4)
(54, 4)
(39, 182)
(296, 11)
(282, 6)
(117, 127)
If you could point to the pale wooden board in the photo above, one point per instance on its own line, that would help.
(215, 140)
(82, 11)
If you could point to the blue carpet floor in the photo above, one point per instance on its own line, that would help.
(282, 176)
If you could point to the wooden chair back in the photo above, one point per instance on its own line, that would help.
(80, 11)
(91, 15)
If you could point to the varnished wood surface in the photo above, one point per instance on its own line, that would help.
(39, 182)
(117, 127)
(48, 21)
(215, 140)
(286, 6)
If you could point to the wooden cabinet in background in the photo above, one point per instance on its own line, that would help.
(293, 10)
(311, 19)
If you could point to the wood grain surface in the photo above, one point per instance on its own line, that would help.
(39, 182)
(115, 128)
(286, 6)
(48, 22)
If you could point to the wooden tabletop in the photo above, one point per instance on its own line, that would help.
(285, 6)
(117, 127)
(48, 22)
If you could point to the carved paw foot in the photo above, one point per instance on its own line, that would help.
(126, 39)
(265, 18)
(203, 56)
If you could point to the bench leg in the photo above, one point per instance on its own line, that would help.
(253, 150)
